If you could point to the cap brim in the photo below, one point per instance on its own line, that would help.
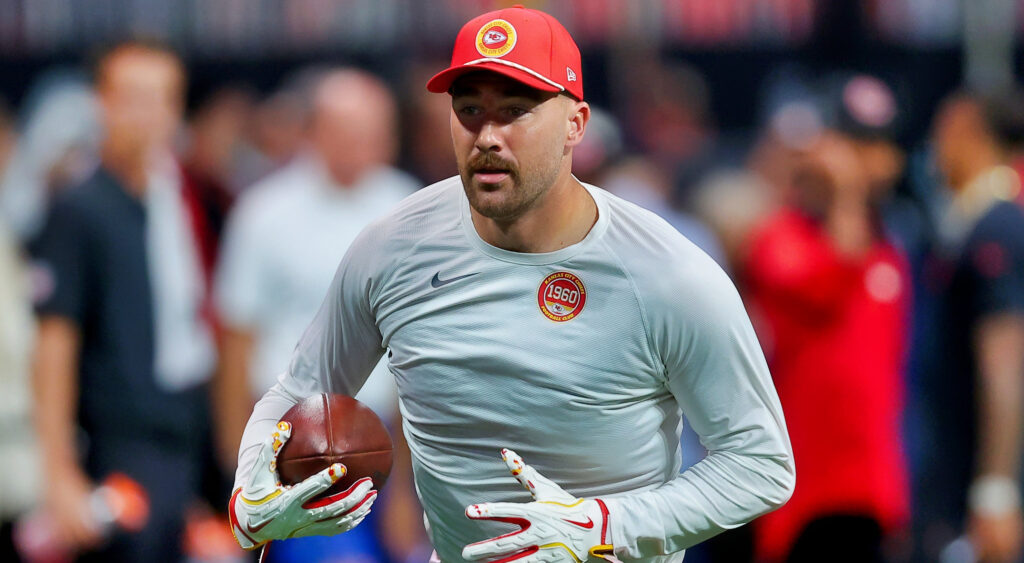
(442, 81)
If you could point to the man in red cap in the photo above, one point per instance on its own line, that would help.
(521, 309)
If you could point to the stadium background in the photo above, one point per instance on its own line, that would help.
(737, 43)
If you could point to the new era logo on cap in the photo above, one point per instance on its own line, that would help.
(523, 44)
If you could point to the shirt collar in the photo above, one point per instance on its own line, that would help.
(326, 184)
(998, 183)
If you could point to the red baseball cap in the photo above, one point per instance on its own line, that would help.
(521, 43)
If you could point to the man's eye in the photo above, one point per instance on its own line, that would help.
(469, 110)
(517, 111)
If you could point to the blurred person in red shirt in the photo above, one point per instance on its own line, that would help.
(8, 135)
(829, 296)
(217, 134)
(276, 130)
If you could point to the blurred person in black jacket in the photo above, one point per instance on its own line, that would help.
(975, 397)
(1006, 114)
(124, 342)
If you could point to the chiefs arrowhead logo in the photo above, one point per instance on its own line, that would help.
(495, 38)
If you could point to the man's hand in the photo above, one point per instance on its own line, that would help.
(67, 501)
(265, 510)
(555, 527)
(996, 538)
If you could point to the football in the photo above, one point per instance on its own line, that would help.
(331, 428)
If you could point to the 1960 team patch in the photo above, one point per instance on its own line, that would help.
(561, 296)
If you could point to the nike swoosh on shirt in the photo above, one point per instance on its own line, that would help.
(437, 282)
(585, 525)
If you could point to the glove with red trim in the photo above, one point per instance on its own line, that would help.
(264, 509)
(556, 527)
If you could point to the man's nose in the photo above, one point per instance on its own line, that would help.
(490, 137)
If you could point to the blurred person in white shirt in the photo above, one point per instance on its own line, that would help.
(58, 147)
(638, 180)
(19, 475)
(283, 243)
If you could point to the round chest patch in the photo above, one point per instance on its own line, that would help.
(990, 260)
(883, 282)
(496, 38)
(561, 296)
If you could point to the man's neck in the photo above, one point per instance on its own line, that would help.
(563, 217)
(345, 181)
(986, 187)
(977, 163)
(341, 178)
(131, 170)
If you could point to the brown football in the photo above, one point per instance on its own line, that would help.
(331, 428)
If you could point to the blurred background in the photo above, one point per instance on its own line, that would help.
(853, 164)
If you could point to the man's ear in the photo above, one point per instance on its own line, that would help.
(579, 116)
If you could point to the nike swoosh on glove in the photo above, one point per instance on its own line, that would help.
(264, 509)
(556, 527)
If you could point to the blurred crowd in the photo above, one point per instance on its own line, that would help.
(158, 264)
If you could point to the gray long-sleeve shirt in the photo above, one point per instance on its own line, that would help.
(582, 360)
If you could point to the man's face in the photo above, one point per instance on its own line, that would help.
(510, 142)
(352, 130)
(955, 136)
(883, 164)
(141, 93)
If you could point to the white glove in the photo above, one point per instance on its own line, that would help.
(264, 509)
(556, 527)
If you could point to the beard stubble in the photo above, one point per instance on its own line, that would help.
(504, 202)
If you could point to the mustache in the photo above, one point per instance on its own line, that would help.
(489, 160)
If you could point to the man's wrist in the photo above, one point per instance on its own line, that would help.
(605, 547)
(613, 536)
(245, 541)
(993, 495)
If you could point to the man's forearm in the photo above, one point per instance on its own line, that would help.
(999, 342)
(722, 491)
(232, 399)
(265, 416)
(55, 386)
(849, 226)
